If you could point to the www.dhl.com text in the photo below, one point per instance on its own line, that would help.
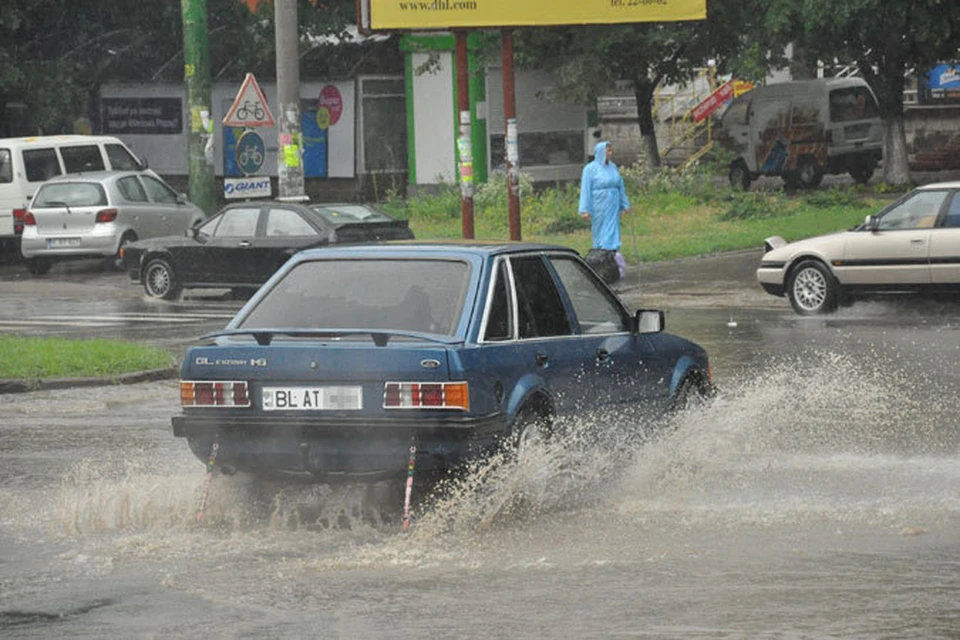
(439, 5)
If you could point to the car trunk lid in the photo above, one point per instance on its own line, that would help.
(65, 220)
(373, 231)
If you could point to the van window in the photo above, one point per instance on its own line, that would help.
(79, 159)
(40, 164)
(852, 103)
(6, 166)
(120, 158)
(74, 194)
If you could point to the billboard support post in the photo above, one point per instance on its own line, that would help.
(511, 141)
(464, 142)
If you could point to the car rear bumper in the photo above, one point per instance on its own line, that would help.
(342, 447)
(32, 246)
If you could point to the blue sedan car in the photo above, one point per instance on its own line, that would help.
(348, 354)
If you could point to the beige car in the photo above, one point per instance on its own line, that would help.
(911, 246)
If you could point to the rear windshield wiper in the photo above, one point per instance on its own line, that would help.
(380, 336)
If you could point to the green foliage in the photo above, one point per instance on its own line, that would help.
(833, 197)
(33, 358)
(752, 205)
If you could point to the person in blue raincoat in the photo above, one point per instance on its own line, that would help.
(603, 199)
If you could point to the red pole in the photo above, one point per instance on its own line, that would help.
(511, 145)
(464, 142)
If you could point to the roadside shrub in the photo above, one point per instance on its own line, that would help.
(832, 197)
(752, 205)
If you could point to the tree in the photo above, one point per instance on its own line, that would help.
(54, 54)
(588, 60)
(886, 40)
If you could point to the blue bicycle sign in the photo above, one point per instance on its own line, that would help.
(250, 152)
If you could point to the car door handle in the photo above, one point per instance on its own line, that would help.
(917, 241)
(602, 354)
(542, 359)
(244, 243)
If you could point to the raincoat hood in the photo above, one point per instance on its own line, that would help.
(600, 152)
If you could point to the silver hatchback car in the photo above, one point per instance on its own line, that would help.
(92, 215)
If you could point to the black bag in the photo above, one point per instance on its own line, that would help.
(604, 262)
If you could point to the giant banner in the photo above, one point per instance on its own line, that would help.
(448, 14)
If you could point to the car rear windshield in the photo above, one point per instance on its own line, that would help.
(349, 213)
(401, 294)
(853, 103)
(73, 194)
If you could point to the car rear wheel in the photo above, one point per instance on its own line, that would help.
(812, 289)
(531, 431)
(861, 172)
(739, 175)
(38, 266)
(160, 281)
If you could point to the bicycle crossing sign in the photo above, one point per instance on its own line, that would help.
(249, 108)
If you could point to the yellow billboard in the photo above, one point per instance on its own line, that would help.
(450, 14)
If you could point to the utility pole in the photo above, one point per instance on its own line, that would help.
(511, 139)
(465, 140)
(196, 71)
(289, 149)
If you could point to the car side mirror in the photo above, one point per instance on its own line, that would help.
(142, 164)
(182, 198)
(870, 223)
(649, 321)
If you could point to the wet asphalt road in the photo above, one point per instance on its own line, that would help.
(818, 497)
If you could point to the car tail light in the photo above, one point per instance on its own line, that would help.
(106, 215)
(229, 393)
(20, 219)
(29, 220)
(426, 395)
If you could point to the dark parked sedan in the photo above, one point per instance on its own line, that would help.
(245, 243)
(350, 353)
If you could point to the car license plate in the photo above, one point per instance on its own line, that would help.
(60, 243)
(311, 398)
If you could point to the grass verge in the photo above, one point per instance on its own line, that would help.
(33, 358)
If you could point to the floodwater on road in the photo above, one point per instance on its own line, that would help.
(818, 496)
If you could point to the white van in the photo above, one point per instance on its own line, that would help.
(802, 130)
(26, 163)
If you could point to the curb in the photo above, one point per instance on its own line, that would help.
(21, 385)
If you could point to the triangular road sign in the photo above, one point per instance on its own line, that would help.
(249, 108)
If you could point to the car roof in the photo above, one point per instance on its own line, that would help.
(445, 249)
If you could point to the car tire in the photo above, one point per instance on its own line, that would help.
(531, 429)
(812, 289)
(809, 173)
(115, 262)
(38, 266)
(861, 172)
(690, 394)
(739, 175)
(160, 280)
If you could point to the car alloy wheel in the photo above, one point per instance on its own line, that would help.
(812, 289)
(159, 280)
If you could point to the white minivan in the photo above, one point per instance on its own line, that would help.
(26, 163)
(802, 130)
